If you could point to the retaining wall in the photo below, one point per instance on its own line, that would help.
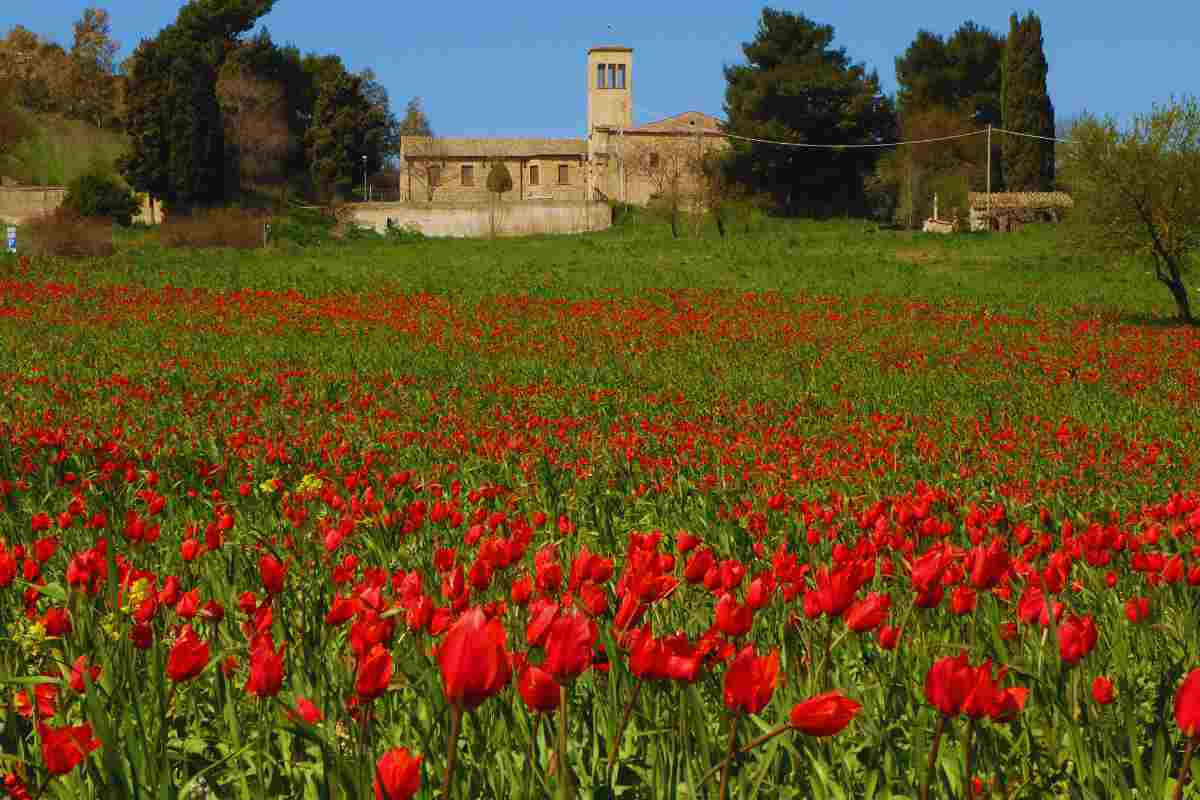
(512, 219)
(20, 203)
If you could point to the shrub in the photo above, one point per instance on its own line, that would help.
(404, 234)
(303, 226)
(95, 194)
(66, 233)
(222, 227)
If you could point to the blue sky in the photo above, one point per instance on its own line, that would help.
(517, 68)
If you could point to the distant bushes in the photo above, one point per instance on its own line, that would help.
(101, 196)
(66, 233)
(222, 227)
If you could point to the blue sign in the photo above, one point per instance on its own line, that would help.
(12, 239)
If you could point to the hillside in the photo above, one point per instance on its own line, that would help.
(62, 149)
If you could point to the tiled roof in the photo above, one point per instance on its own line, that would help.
(979, 200)
(415, 147)
(687, 122)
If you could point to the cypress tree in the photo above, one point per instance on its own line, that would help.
(499, 179)
(1028, 163)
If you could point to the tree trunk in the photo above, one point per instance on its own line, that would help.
(1174, 282)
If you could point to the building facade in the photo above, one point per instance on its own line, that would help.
(615, 161)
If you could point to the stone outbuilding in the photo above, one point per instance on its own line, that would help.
(1009, 211)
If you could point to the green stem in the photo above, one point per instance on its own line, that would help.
(733, 721)
(564, 783)
(933, 752)
(452, 750)
(970, 751)
(615, 749)
(1183, 769)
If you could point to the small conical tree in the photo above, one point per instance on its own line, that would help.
(499, 180)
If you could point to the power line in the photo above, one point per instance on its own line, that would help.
(856, 146)
(1033, 136)
(872, 145)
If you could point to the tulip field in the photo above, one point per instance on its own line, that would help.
(812, 513)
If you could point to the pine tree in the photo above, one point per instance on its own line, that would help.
(796, 86)
(499, 179)
(1028, 163)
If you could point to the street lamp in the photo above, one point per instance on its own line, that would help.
(364, 178)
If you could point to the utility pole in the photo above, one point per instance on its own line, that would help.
(989, 177)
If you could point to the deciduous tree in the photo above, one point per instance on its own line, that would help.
(1137, 191)
(93, 82)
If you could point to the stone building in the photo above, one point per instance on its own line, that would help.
(614, 161)
(1009, 211)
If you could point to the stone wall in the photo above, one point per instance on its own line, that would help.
(21, 203)
(451, 187)
(476, 221)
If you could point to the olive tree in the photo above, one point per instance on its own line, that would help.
(1136, 190)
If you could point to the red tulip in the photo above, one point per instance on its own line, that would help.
(963, 600)
(397, 775)
(683, 661)
(188, 656)
(538, 689)
(80, 669)
(569, 646)
(836, 590)
(473, 660)
(987, 699)
(374, 673)
(1187, 705)
(266, 668)
(948, 683)
(306, 710)
(1102, 690)
(272, 571)
(986, 566)
(824, 715)
(869, 613)
(63, 749)
(1076, 637)
(889, 637)
(341, 610)
(750, 680)
(1137, 609)
(732, 619)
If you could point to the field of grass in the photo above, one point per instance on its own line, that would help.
(814, 511)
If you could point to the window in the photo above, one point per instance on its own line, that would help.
(612, 76)
(654, 161)
(601, 83)
(468, 175)
(620, 76)
(533, 175)
(564, 174)
(435, 176)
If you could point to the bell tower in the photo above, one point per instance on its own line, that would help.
(610, 88)
(610, 111)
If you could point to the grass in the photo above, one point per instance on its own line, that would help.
(1019, 273)
(63, 149)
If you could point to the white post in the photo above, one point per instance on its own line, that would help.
(935, 208)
